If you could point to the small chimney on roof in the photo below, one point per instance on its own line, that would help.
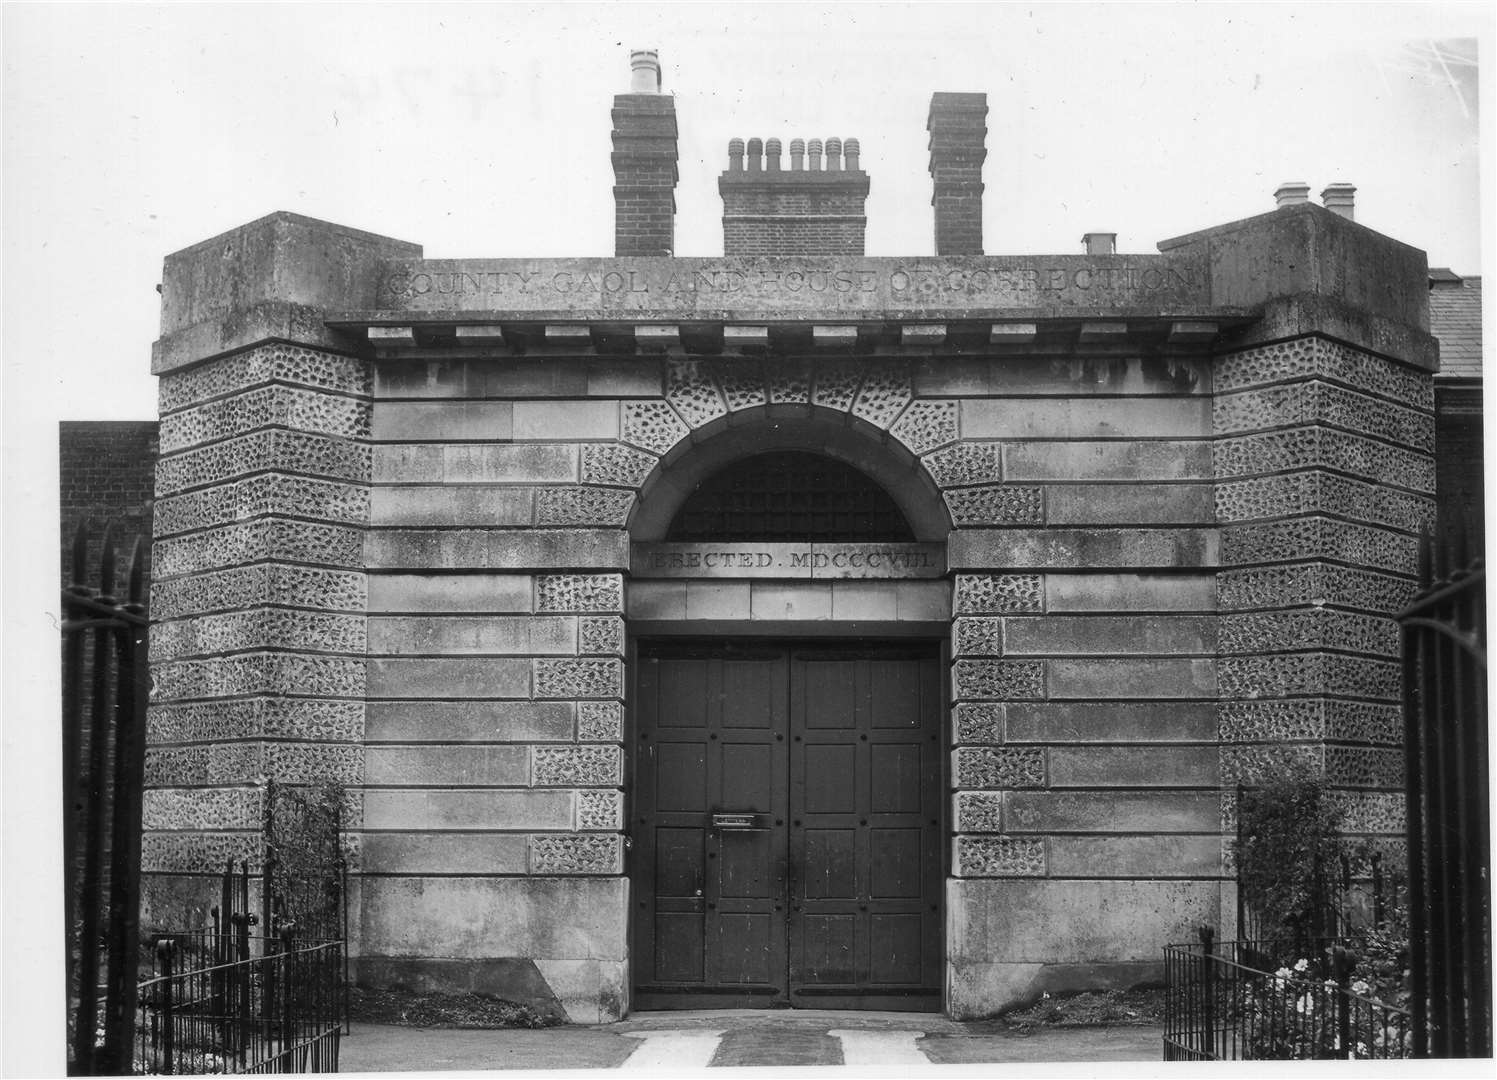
(644, 71)
(1340, 199)
(1100, 243)
(1291, 193)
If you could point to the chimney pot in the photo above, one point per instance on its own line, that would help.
(644, 71)
(755, 155)
(813, 150)
(1100, 243)
(1340, 199)
(797, 154)
(1291, 193)
(834, 154)
(850, 152)
(772, 155)
(735, 155)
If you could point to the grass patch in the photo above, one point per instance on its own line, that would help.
(1092, 1008)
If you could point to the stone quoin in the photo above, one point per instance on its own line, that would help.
(792, 627)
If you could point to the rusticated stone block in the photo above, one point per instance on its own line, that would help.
(167, 766)
(1112, 811)
(836, 383)
(789, 381)
(1261, 763)
(1325, 493)
(653, 425)
(470, 721)
(251, 586)
(261, 628)
(1364, 722)
(1133, 766)
(966, 463)
(977, 637)
(979, 722)
(258, 673)
(488, 594)
(280, 406)
(580, 593)
(689, 387)
(444, 677)
(995, 505)
(478, 809)
(197, 852)
(495, 549)
(1319, 537)
(1126, 592)
(1062, 549)
(1370, 811)
(998, 767)
(925, 425)
(998, 594)
(1272, 720)
(218, 721)
(600, 635)
(1134, 677)
(1308, 673)
(1320, 358)
(1313, 583)
(582, 506)
(1321, 447)
(579, 678)
(1364, 767)
(201, 809)
(260, 366)
(1322, 403)
(601, 811)
(885, 392)
(249, 762)
(1055, 722)
(742, 383)
(998, 680)
(616, 464)
(1315, 628)
(573, 853)
(273, 538)
(576, 766)
(447, 766)
(472, 635)
(998, 856)
(978, 811)
(277, 494)
(270, 450)
(600, 721)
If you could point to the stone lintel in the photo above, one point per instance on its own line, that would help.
(746, 337)
(923, 334)
(834, 337)
(382, 337)
(1012, 333)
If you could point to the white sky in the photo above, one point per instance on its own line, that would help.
(133, 130)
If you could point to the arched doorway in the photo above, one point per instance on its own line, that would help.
(786, 785)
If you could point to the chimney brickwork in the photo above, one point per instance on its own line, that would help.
(644, 163)
(958, 129)
(815, 207)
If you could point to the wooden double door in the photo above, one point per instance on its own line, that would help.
(787, 827)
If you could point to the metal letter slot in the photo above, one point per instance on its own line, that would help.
(735, 821)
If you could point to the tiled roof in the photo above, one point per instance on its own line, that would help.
(1455, 318)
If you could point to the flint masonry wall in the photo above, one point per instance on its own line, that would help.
(397, 551)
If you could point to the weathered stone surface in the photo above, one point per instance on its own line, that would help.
(1147, 857)
(1133, 766)
(600, 635)
(261, 366)
(1116, 504)
(295, 718)
(1316, 628)
(616, 463)
(1132, 678)
(458, 635)
(1371, 811)
(475, 463)
(469, 721)
(1170, 635)
(1070, 418)
(517, 549)
(254, 541)
(491, 593)
(967, 462)
(977, 637)
(189, 852)
(257, 496)
(689, 387)
(576, 766)
(1319, 538)
(543, 420)
(1063, 548)
(1322, 447)
(445, 853)
(278, 406)
(579, 592)
(430, 677)
(198, 809)
(579, 678)
(1117, 811)
(600, 810)
(977, 811)
(1321, 403)
(981, 723)
(478, 808)
(993, 504)
(1313, 583)
(260, 628)
(432, 505)
(1122, 591)
(269, 450)
(447, 766)
(926, 425)
(652, 425)
(1112, 722)
(423, 421)
(600, 721)
(251, 586)
(884, 392)
(1308, 673)
(1314, 491)
(258, 673)
(585, 853)
(1317, 357)
(1162, 460)
(489, 916)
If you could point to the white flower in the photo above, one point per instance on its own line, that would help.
(1302, 965)
(1281, 974)
(1360, 987)
(1305, 1005)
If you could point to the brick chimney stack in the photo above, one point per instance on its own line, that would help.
(815, 207)
(958, 131)
(644, 162)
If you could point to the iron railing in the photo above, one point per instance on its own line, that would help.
(1448, 801)
(104, 688)
(1219, 1006)
(235, 1003)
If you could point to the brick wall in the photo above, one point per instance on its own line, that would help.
(798, 211)
(106, 475)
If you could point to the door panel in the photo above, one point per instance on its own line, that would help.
(787, 827)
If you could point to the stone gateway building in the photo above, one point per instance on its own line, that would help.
(788, 628)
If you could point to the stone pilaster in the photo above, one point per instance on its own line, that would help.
(259, 594)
